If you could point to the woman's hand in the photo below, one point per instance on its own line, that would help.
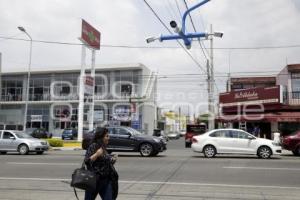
(96, 155)
(114, 158)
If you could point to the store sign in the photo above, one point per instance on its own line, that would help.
(36, 118)
(122, 113)
(254, 96)
(89, 85)
(90, 36)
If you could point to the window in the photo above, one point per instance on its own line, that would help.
(121, 131)
(126, 89)
(295, 80)
(7, 135)
(242, 135)
(234, 134)
(222, 133)
(110, 131)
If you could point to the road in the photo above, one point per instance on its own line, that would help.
(177, 173)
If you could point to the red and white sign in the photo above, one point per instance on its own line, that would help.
(89, 83)
(254, 96)
(90, 36)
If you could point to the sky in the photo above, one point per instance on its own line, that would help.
(245, 23)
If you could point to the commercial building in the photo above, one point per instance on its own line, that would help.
(271, 103)
(124, 95)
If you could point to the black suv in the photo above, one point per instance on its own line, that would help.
(126, 139)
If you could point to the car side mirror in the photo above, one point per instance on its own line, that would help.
(12, 138)
(251, 137)
(129, 135)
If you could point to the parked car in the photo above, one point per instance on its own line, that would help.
(234, 141)
(39, 133)
(127, 139)
(160, 133)
(69, 134)
(173, 135)
(191, 131)
(292, 143)
(15, 141)
(182, 133)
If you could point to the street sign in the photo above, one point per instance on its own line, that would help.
(90, 36)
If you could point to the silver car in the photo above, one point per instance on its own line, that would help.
(11, 141)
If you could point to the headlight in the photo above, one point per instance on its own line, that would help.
(276, 144)
(156, 140)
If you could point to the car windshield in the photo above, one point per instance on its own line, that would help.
(294, 133)
(23, 135)
(135, 132)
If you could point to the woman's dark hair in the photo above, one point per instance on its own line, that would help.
(100, 132)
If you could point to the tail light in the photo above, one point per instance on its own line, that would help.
(188, 135)
(286, 140)
(194, 140)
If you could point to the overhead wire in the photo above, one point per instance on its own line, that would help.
(194, 27)
(154, 47)
(178, 8)
(199, 41)
(195, 61)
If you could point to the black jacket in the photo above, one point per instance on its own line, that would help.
(103, 166)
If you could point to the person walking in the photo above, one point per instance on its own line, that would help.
(256, 131)
(99, 161)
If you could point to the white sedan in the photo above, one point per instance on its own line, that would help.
(234, 141)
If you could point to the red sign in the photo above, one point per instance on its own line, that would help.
(89, 85)
(90, 35)
(254, 96)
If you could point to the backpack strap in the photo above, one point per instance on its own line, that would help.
(75, 193)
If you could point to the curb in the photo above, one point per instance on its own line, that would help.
(65, 149)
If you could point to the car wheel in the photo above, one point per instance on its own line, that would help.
(23, 149)
(264, 152)
(3, 152)
(209, 151)
(39, 152)
(146, 149)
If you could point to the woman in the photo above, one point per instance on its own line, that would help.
(98, 160)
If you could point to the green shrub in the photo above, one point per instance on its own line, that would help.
(55, 142)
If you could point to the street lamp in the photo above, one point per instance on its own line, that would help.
(211, 77)
(28, 77)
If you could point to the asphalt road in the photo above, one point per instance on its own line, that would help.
(177, 173)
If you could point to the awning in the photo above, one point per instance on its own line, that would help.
(267, 117)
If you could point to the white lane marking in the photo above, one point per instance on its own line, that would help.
(164, 183)
(29, 163)
(263, 168)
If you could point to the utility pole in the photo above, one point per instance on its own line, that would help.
(211, 81)
(28, 77)
(187, 39)
(179, 118)
(0, 76)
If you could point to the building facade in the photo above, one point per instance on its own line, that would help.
(124, 95)
(270, 103)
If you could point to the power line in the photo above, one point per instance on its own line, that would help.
(195, 61)
(155, 47)
(178, 8)
(199, 41)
